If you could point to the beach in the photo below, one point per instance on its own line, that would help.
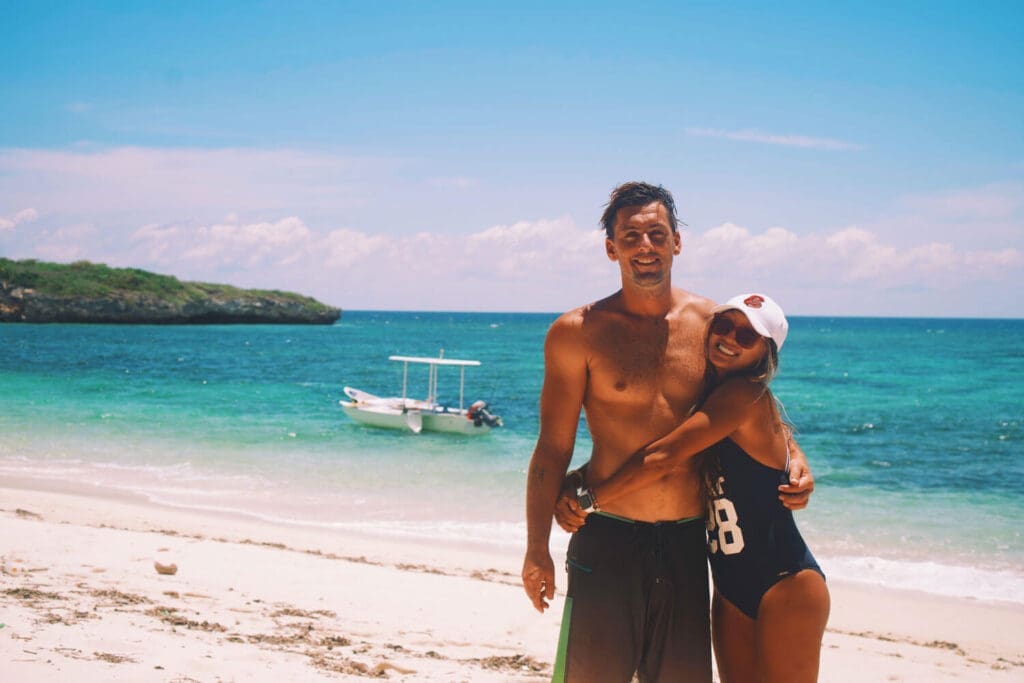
(252, 600)
(220, 222)
(309, 546)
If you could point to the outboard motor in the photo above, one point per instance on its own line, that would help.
(478, 413)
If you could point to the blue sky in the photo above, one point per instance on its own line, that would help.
(854, 159)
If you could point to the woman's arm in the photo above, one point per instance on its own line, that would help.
(723, 412)
(568, 513)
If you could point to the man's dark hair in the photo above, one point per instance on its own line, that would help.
(637, 194)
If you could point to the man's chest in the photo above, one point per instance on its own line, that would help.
(629, 365)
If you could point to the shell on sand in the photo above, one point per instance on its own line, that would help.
(165, 568)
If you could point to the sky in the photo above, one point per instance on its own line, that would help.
(850, 159)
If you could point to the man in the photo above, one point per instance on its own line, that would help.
(634, 362)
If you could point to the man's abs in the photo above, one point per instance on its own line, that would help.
(675, 496)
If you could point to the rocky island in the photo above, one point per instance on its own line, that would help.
(38, 292)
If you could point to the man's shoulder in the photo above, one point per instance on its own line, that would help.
(612, 311)
(592, 312)
(690, 304)
(581, 323)
(573, 318)
(567, 326)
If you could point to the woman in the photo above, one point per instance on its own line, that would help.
(770, 604)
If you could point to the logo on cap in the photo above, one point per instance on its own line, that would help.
(753, 301)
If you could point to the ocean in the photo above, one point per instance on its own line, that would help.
(913, 428)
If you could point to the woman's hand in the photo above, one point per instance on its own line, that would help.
(650, 457)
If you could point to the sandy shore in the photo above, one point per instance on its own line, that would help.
(81, 599)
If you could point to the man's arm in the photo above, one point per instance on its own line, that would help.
(797, 494)
(565, 382)
(724, 411)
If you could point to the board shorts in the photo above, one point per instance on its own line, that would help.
(637, 603)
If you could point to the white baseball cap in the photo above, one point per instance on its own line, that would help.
(764, 315)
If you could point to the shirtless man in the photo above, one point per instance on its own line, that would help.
(634, 362)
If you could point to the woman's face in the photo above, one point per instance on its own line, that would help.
(733, 345)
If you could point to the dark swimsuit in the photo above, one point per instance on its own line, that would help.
(753, 542)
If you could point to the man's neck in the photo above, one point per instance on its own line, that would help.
(647, 303)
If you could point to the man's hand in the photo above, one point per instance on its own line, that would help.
(568, 513)
(539, 578)
(797, 494)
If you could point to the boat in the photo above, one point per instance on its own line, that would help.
(415, 415)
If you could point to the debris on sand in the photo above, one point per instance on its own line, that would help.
(165, 568)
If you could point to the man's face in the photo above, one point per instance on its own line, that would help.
(644, 244)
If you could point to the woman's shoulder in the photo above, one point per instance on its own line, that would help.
(762, 434)
(741, 390)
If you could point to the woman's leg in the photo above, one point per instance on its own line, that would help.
(790, 624)
(733, 635)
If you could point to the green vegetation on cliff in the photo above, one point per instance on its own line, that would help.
(85, 279)
(38, 291)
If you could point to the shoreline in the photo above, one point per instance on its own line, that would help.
(81, 596)
(957, 578)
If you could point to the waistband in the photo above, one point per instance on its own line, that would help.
(626, 520)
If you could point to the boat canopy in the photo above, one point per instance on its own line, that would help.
(432, 381)
(433, 361)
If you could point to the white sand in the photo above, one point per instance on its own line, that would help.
(80, 600)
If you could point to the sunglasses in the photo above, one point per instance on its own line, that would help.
(745, 336)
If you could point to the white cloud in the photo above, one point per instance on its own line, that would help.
(343, 248)
(989, 216)
(852, 255)
(527, 263)
(160, 243)
(994, 201)
(749, 135)
(320, 223)
(549, 264)
(995, 260)
(523, 251)
(551, 246)
(279, 242)
(69, 243)
(23, 216)
(731, 244)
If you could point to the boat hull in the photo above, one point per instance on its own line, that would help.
(407, 421)
(451, 422)
(412, 415)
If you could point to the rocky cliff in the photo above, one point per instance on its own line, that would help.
(48, 301)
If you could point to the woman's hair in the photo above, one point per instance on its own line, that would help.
(762, 373)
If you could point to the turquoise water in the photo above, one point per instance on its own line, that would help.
(913, 427)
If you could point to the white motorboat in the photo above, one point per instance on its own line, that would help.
(414, 415)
